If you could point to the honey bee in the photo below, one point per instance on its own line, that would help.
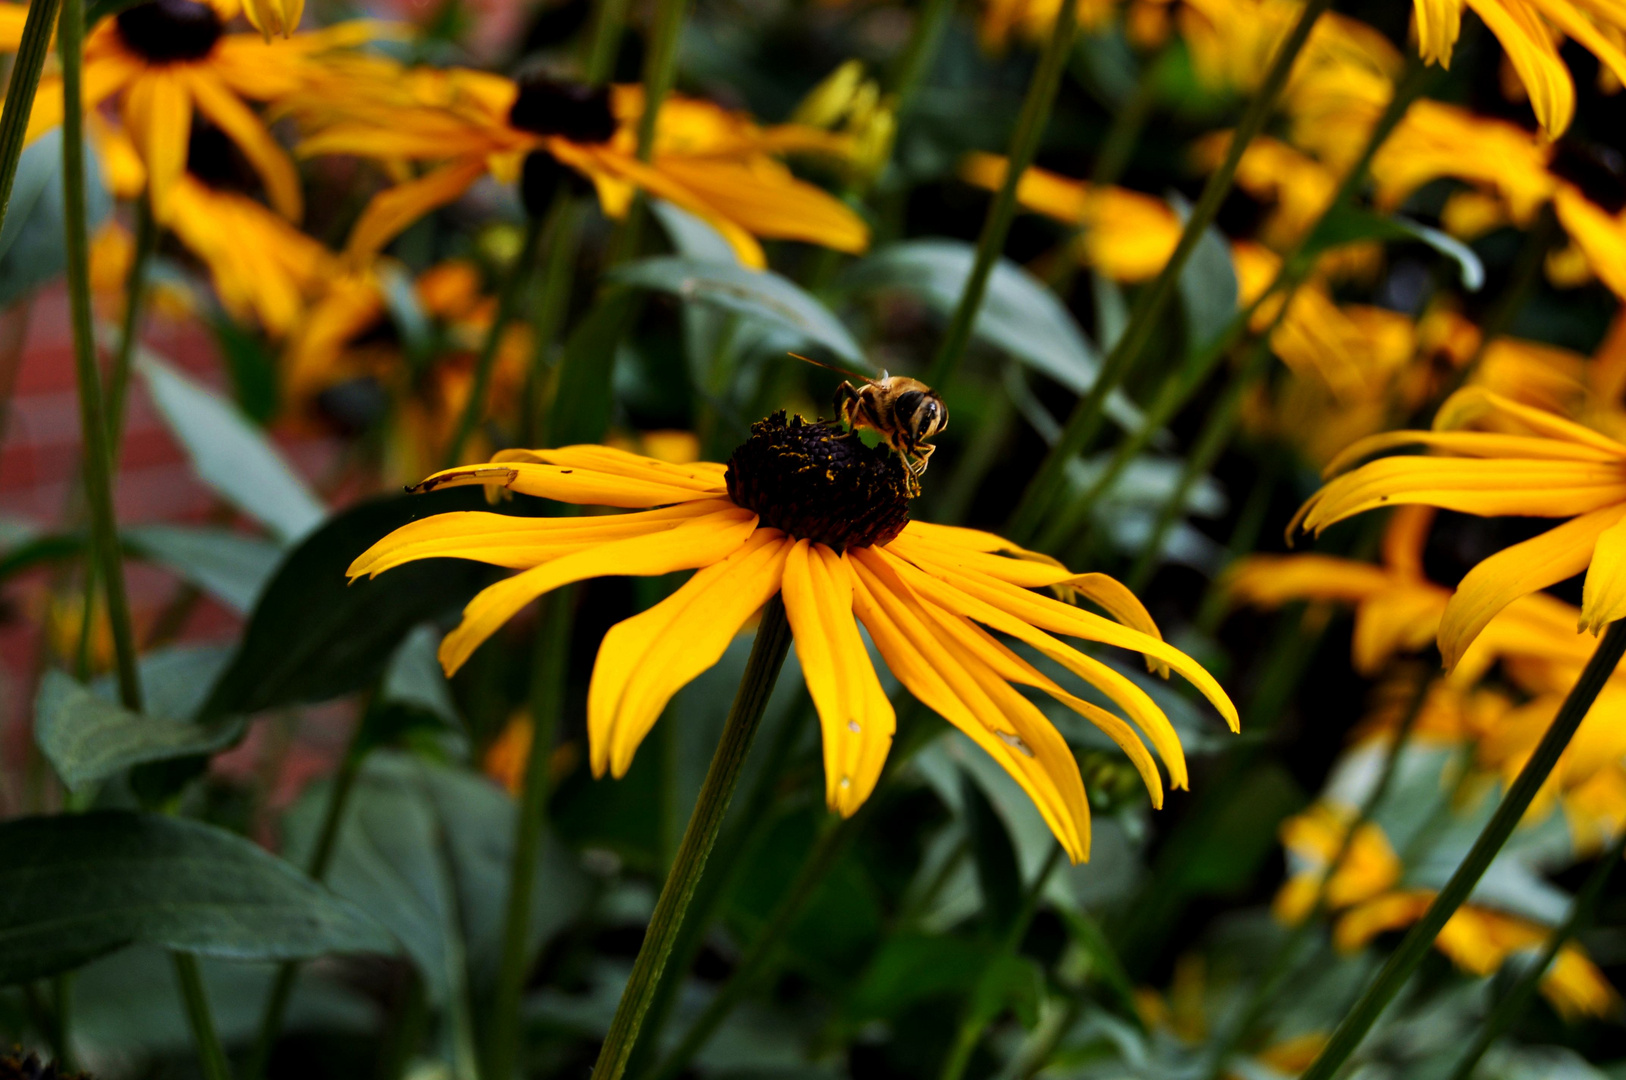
(904, 412)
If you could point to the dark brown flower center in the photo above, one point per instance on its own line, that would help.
(168, 31)
(541, 179)
(816, 482)
(573, 111)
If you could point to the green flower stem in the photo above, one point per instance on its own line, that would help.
(530, 817)
(513, 287)
(1515, 1001)
(135, 300)
(609, 20)
(1250, 522)
(98, 456)
(25, 80)
(211, 1056)
(761, 670)
(548, 320)
(659, 75)
(327, 839)
(976, 1022)
(1359, 1020)
(747, 827)
(827, 850)
(1285, 959)
(1085, 421)
(1177, 391)
(1030, 127)
(919, 55)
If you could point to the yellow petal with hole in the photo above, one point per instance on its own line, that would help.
(650, 657)
(854, 714)
(390, 212)
(942, 682)
(1603, 598)
(700, 542)
(1555, 555)
(517, 543)
(243, 128)
(158, 112)
(588, 487)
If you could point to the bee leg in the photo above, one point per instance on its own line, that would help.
(923, 451)
(844, 403)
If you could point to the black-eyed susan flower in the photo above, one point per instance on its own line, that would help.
(815, 516)
(163, 59)
(712, 162)
(1519, 461)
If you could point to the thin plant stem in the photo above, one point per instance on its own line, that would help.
(609, 20)
(530, 817)
(975, 1022)
(98, 455)
(20, 89)
(321, 859)
(744, 717)
(1176, 391)
(919, 55)
(552, 303)
(1420, 938)
(1514, 1002)
(513, 287)
(211, 1055)
(659, 75)
(1085, 420)
(1250, 522)
(135, 301)
(1285, 958)
(1030, 127)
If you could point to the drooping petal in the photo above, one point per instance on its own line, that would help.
(1530, 49)
(704, 476)
(1403, 618)
(1475, 404)
(571, 485)
(158, 112)
(649, 657)
(274, 16)
(392, 211)
(856, 718)
(1603, 597)
(1557, 554)
(263, 152)
(1487, 488)
(519, 543)
(701, 542)
(1472, 444)
(1049, 614)
(942, 682)
(1272, 580)
(1118, 687)
(1439, 22)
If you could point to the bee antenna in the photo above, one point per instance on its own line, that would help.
(831, 367)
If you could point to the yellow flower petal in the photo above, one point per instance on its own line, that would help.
(701, 542)
(650, 657)
(518, 543)
(240, 124)
(158, 112)
(571, 485)
(1603, 597)
(942, 682)
(854, 713)
(1439, 22)
(1475, 404)
(1403, 618)
(704, 476)
(274, 16)
(1530, 49)
(1557, 554)
(392, 211)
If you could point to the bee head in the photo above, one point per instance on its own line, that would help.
(923, 412)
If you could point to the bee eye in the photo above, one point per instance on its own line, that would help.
(907, 403)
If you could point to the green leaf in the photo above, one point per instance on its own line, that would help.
(252, 366)
(692, 237)
(414, 678)
(910, 967)
(584, 397)
(227, 565)
(998, 876)
(31, 251)
(1008, 981)
(40, 550)
(1019, 315)
(87, 738)
(75, 887)
(1351, 225)
(231, 454)
(756, 294)
(1207, 285)
(312, 637)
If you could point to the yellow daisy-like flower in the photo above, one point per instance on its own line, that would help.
(1531, 32)
(716, 164)
(816, 517)
(165, 58)
(1521, 462)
